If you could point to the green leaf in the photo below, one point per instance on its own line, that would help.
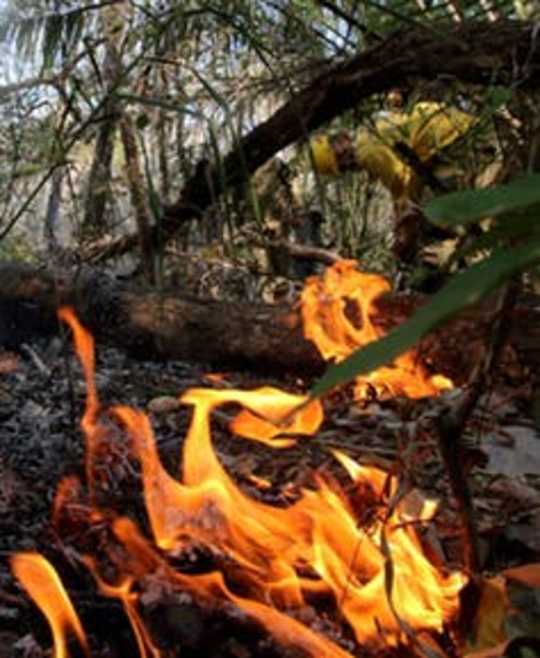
(496, 97)
(472, 205)
(74, 28)
(523, 226)
(464, 289)
(54, 25)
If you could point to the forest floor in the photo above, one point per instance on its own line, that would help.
(42, 397)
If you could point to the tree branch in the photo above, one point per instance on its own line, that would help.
(481, 53)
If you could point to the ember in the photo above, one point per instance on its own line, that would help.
(271, 562)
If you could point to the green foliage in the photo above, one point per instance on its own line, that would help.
(503, 202)
(16, 248)
(61, 34)
(207, 73)
(464, 289)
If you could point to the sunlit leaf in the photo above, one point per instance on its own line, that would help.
(464, 289)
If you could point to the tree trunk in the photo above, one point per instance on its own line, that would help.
(137, 190)
(53, 212)
(164, 175)
(99, 178)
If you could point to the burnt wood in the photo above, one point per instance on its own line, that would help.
(150, 324)
(263, 338)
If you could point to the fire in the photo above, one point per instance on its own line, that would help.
(359, 551)
(43, 584)
(336, 313)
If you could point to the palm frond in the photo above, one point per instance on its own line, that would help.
(51, 37)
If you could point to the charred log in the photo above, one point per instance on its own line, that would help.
(161, 325)
(166, 325)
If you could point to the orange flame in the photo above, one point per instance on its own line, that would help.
(364, 556)
(336, 310)
(274, 547)
(94, 433)
(40, 580)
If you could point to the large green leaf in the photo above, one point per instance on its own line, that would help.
(472, 205)
(464, 289)
(524, 226)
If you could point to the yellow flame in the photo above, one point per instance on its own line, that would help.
(336, 314)
(323, 544)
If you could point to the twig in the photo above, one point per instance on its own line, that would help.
(294, 249)
(302, 251)
(452, 422)
(43, 369)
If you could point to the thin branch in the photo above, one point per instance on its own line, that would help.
(350, 19)
(452, 423)
(6, 90)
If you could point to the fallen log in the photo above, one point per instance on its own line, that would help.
(166, 325)
(160, 325)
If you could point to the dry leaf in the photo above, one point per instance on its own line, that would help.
(528, 574)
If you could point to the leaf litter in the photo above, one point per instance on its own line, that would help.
(40, 442)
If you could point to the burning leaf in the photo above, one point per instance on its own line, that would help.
(488, 628)
(508, 612)
(268, 414)
(528, 574)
